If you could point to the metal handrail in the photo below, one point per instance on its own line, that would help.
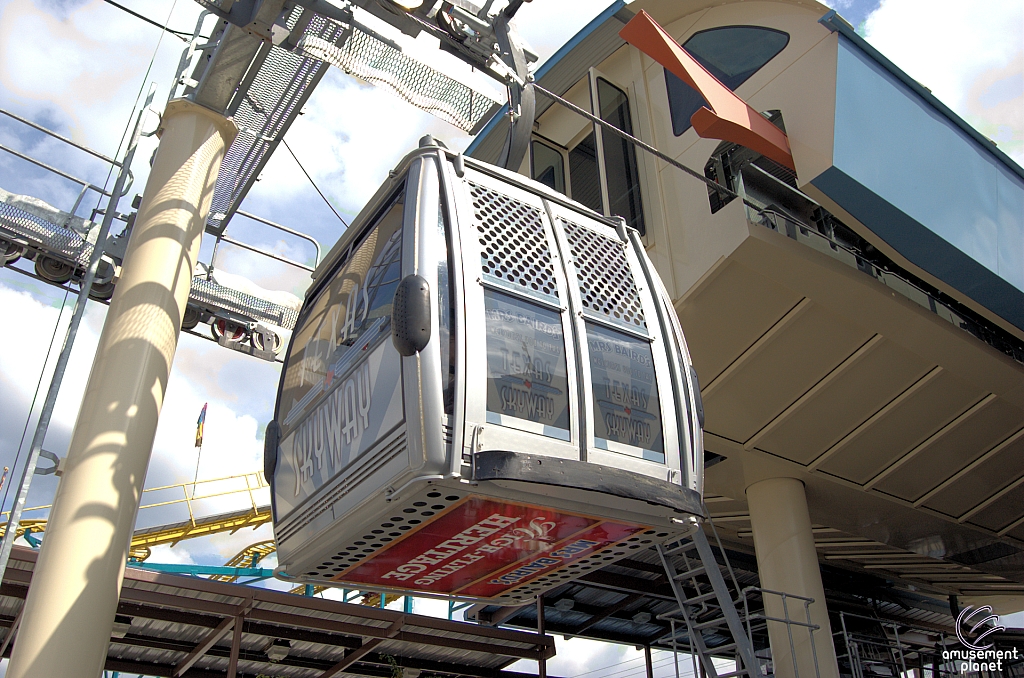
(297, 234)
(53, 134)
(40, 163)
(251, 248)
(253, 481)
(897, 647)
(787, 620)
(222, 237)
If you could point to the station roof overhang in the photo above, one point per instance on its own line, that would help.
(185, 626)
(903, 427)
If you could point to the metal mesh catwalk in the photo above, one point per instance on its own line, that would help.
(205, 293)
(22, 227)
(268, 100)
(368, 58)
(264, 108)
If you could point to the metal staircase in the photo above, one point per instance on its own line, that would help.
(709, 610)
(706, 605)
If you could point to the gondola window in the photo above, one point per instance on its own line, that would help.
(626, 405)
(526, 368)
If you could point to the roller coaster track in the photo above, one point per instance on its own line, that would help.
(250, 556)
(192, 497)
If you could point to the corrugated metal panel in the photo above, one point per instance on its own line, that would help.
(171, 614)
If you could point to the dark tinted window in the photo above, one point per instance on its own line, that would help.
(620, 157)
(445, 316)
(732, 54)
(547, 166)
(626, 406)
(583, 175)
(355, 304)
(526, 365)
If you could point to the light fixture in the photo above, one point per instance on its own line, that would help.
(641, 617)
(278, 650)
(122, 623)
(564, 604)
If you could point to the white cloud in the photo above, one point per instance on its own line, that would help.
(33, 310)
(971, 60)
(597, 659)
(546, 26)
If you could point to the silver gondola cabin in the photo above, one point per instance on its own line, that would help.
(487, 394)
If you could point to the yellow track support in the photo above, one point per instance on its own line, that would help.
(248, 557)
(369, 599)
(373, 599)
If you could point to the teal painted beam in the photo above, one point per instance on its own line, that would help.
(206, 570)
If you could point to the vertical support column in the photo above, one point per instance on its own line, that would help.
(542, 664)
(787, 562)
(69, 611)
(236, 647)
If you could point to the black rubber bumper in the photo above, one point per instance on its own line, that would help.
(580, 475)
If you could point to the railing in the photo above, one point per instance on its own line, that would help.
(899, 649)
(885, 650)
(786, 619)
(114, 252)
(809, 235)
(86, 186)
(189, 492)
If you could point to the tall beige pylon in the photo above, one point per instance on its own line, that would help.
(787, 561)
(69, 612)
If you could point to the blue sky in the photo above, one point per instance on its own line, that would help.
(78, 66)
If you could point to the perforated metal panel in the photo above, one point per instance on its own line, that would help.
(366, 57)
(514, 245)
(403, 518)
(607, 287)
(55, 240)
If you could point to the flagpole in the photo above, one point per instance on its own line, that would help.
(196, 479)
(200, 425)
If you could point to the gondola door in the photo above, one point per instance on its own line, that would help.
(521, 376)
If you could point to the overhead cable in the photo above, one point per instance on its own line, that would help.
(313, 183)
(181, 35)
(645, 146)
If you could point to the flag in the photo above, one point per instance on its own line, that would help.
(199, 426)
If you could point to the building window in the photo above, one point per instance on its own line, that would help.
(732, 54)
(583, 174)
(583, 182)
(620, 166)
(547, 166)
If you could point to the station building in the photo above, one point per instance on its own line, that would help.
(856, 315)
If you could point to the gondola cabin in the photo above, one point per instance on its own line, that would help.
(487, 394)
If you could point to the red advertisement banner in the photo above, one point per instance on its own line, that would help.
(483, 547)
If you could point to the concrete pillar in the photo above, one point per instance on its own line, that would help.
(69, 611)
(787, 561)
